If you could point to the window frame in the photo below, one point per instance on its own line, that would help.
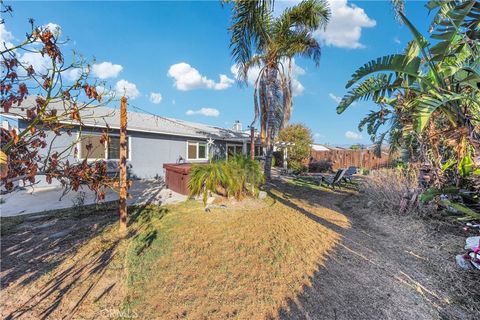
(197, 143)
(79, 147)
(235, 145)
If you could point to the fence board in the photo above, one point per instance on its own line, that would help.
(352, 158)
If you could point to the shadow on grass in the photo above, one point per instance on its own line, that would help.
(51, 245)
(370, 273)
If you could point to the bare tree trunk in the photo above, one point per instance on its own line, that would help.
(123, 164)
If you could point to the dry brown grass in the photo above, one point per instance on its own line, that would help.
(79, 273)
(243, 262)
(386, 189)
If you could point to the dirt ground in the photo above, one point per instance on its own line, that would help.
(386, 267)
(382, 267)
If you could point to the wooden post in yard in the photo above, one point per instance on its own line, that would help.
(123, 164)
(252, 142)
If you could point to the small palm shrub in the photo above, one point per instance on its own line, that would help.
(236, 177)
(248, 173)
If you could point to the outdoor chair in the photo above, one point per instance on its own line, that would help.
(335, 181)
(349, 174)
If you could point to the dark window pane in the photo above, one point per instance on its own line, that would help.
(114, 148)
(202, 151)
(230, 150)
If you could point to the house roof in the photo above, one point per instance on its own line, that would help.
(319, 147)
(101, 117)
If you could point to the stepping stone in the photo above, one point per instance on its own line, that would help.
(262, 195)
(45, 225)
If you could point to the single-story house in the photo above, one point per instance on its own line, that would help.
(152, 140)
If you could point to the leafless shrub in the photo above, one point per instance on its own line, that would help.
(395, 190)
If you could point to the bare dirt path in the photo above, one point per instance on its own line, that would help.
(385, 266)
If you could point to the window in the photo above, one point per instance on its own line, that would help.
(258, 150)
(92, 148)
(233, 149)
(197, 151)
(114, 148)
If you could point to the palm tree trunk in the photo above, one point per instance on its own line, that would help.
(271, 87)
(252, 142)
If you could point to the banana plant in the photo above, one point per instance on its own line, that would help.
(432, 90)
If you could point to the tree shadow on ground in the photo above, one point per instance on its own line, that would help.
(45, 258)
(370, 273)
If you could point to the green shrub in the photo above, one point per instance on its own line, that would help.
(301, 138)
(236, 177)
(320, 166)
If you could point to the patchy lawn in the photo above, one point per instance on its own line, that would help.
(243, 261)
(304, 252)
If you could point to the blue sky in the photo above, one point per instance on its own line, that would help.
(179, 51)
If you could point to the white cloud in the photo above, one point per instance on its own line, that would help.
(318, 135)
(72, 74)
(252, 75)
(397, 40)
(174, 102)
(123, 87)
(335, 98)
(5, 37)
(155, 98)
(40, 64)
(53, 27)
(188, 78)
(207, 112)
(344, 29)
(353, 135)
(106, 70)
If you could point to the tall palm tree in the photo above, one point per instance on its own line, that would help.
(261, 40)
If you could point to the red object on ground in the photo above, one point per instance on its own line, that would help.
(176, 176)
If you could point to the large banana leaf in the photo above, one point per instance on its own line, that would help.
(373, 87)
(399, 63)
(428, 103)
(449, 20)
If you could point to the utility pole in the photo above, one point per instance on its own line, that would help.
(123, 165)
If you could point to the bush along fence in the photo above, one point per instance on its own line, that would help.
(351, 158)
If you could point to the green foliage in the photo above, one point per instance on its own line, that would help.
(431, 193)
(320, 166)
(269, 42)
(235, 177)
(429, 96)
(466, 166)
(302, 140)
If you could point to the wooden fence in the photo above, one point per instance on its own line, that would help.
(352, 158)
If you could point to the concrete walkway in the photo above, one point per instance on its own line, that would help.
(32, 200)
